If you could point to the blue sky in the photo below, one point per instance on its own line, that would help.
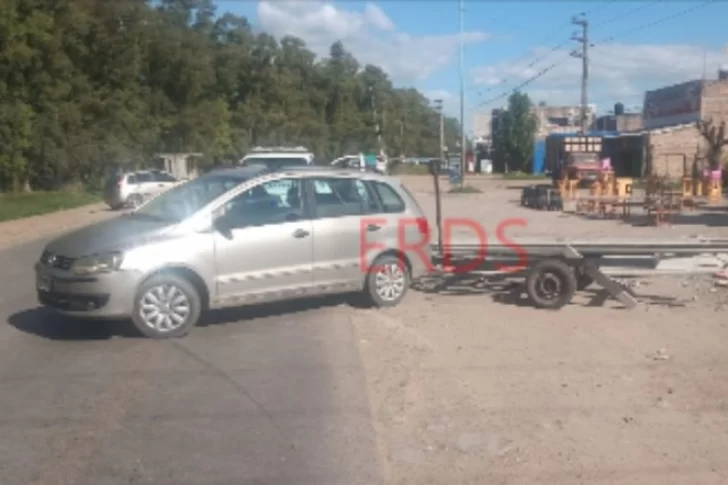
(416, 42)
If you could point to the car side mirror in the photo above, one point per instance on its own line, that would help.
(221, 223)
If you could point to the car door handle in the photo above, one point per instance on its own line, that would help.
(300, 233)
(160, 185)
(373, 227)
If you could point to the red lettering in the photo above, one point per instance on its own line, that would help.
(364, 245)
(473, 264)
(419, 246)
(522, 255)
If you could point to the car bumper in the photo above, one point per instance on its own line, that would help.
(113, 200)
(109, 295)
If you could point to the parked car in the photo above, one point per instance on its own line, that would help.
(133, 188)
(237, 236)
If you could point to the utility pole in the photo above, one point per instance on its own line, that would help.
(439, 109)
(463, 148)
(584, 56)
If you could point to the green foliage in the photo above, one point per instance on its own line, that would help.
(514, 138)
(87, 86)
(19, 205)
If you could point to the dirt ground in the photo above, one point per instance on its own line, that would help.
(37, 227)
(468, 390)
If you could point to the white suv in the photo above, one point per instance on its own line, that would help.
(133, 188)
(276, 157)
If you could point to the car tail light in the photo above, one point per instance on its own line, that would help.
(120, 181)
(423, 226)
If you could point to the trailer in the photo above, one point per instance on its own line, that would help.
(553, 270)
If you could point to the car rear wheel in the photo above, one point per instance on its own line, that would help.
(134, 201)
(166, 306)
(387, 281)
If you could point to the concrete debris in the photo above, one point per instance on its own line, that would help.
(659, 355)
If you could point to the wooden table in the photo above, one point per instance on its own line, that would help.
(604, 205)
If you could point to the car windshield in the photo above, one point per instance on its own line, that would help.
(181, 202)
(275, 163)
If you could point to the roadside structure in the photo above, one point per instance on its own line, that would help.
(181, 165)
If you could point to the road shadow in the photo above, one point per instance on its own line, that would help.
(509, 290)
(50, 325)
(225, 316)
(708, 216)
(707, 219)
(46, 323)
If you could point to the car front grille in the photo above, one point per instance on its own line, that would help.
(56, 260)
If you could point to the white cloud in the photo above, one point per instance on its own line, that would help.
(617, 72)
(371, 36)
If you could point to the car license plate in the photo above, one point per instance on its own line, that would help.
(45, 283)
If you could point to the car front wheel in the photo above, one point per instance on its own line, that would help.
(166, 306)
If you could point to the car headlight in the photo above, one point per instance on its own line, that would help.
(98, 263)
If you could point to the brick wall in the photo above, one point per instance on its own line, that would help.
(714, 104)
(671, 146)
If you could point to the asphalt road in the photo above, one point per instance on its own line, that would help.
(267, 395)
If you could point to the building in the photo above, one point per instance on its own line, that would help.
(560, 119)
(180, 165)
(482, 125)
(669, 142)
(670, 122)
(618, 121)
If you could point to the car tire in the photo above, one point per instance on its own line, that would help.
(387, 282)
(175, 299)
(550, 284)
(134, 201)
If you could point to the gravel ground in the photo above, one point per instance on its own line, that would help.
(468, 389)
(473, 387)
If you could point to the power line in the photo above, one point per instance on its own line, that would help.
(656, 22)
(538, 59)
(607, 40)
(565, 42)
(520, 86)
(626, 14)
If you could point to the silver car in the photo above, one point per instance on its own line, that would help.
(240, 236)
(133, 188)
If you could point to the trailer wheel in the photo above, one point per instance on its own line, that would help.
(550, 284)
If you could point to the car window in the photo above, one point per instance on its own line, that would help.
(273, 202)
(336, 197)
(142, 177)
(390, 200)
(131, 179)
(163, 177)
(184, 200)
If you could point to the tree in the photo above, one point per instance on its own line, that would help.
(515, 134)
(715, 136)
(88, 86)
